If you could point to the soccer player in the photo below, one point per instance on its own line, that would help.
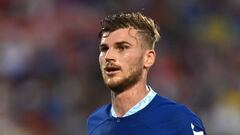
(126, 55)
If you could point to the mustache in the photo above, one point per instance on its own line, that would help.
(111, 65)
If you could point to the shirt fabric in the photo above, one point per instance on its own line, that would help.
(160, 117)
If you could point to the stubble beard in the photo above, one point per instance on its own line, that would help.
(134, 75)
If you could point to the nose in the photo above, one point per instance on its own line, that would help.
(110, 55)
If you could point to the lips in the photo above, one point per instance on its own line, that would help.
(112, 69)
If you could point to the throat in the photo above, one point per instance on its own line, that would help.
(124, 101)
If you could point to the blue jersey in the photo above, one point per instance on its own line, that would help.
(160, 117)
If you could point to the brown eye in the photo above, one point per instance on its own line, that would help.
(103, 48)
(122, 47)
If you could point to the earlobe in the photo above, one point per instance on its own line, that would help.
(149, 58)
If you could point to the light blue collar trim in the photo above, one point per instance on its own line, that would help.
(140, 105)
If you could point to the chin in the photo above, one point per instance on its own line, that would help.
(115, 85)
(119, 86)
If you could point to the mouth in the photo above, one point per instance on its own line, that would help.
(111, 70)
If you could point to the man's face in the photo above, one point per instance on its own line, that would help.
(121, 58)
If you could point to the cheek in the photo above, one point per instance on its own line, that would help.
(133, 62)
(101, 60)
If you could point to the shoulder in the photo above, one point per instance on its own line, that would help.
(170, 107)
(188, 121)
(175, 116)
(98, 117)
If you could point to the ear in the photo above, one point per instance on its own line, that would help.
(149, 58)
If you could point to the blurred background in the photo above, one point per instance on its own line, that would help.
(49, 73)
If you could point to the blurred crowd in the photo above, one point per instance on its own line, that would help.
(49, 74)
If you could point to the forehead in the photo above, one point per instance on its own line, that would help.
(125, 34)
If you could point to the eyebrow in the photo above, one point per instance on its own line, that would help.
(123, 42)
(117, 43)
(102, 44)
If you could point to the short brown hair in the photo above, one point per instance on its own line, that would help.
(146, 26)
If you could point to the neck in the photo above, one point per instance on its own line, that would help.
(124, 101)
